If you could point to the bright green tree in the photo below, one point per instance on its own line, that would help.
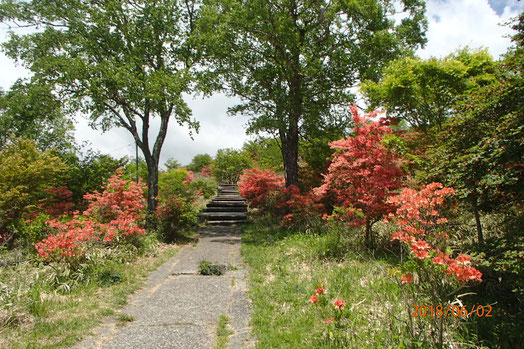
(423, 92)
(130, 170)
(265, 153)
(229, 165)
(124, 63)
(172, 164)
(199, 162)
(479, 152)
(25, 174)
(292, 62)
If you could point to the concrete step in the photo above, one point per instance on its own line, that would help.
(228, 198)
(225, 209)
(228, 188)
(226, 223)
(228, 216)
(227, 204)
(228, 192)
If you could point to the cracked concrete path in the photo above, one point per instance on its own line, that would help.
(178, 308)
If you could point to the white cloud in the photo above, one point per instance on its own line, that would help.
(217, 130)
(458, 23)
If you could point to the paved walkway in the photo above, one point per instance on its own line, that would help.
(178, 308)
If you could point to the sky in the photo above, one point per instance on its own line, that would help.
(453, 24)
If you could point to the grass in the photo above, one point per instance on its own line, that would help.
(223, 332)
(286, 268)
(125, 318)
(33, 314)
(208, 268)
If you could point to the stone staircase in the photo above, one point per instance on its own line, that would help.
(227, 208)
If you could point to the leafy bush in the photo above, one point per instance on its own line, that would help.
(206, 187)
(208, 268)
(25, 176)
(229, 165)
(178, 193)
(33, 230)
(88, 172)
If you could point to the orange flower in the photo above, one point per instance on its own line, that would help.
(328, 320)
(321, 290)
(420, 249)
(464, 259)
(407, 278)
(339, 304)
(313, 299)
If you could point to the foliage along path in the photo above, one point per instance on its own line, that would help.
(179, 308)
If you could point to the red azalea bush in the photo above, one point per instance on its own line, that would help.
(429, 264)
(206, 172)
(262, 188)
(60, 203)
(266, 191)
(421, 230)
(300, 210)
(112, 216)
(362, 174)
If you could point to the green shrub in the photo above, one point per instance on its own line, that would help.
(25, 175)
(177, 198)
(229, 165)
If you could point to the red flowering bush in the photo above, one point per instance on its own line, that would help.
(120, 198)
(60, 203)
(206, 172)
(266, 191)
(362, 175)
(421, 231)
(300, 210)
(112, 216)
(262, 188)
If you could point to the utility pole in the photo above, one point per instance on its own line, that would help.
(136, 162)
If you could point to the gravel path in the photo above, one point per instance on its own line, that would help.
(178, 308)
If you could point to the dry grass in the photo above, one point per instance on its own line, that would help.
(36, 311)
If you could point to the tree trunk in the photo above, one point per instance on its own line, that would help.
(480, 235)
(152, 186)
(476, 213)
(290, 146)
(368, 239)
(290, 156)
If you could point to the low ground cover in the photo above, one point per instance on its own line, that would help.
(316, 291)
(50, 306)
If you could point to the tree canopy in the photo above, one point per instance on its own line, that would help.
(122, 62)
(25, 175)
(229, 165)
(199, 162)
(31, 110)
(172, 164)
(480, 150)
(293, 62)
(423, 92)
